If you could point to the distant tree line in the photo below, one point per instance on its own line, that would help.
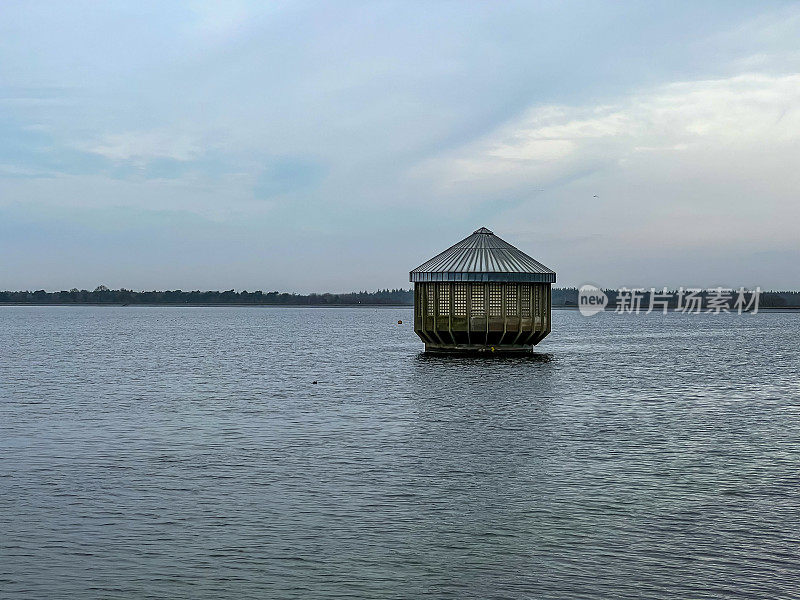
(396, 297)
(771, 299)
(103, 295)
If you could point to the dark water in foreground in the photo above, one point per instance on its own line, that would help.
(185, 453)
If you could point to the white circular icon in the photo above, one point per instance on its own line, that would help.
(591, 300)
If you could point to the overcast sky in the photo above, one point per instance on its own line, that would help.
(335, 146)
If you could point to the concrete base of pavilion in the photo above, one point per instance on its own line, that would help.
(477, 349)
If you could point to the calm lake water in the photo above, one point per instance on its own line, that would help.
(156, 452)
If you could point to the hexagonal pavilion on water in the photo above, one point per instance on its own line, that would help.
(482, 294)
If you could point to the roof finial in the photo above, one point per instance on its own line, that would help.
(483, 230)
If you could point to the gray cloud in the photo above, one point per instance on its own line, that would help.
(288, 174)
(328, 129)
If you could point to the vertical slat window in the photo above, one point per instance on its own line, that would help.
(537, 299)
(511, 300)
(478, 308)
(429, 298)
(460, 300)
(444, 299)
(495, 300)
(525, 301)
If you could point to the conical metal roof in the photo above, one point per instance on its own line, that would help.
(483, 257)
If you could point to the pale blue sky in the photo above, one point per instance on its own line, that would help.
(334, 146)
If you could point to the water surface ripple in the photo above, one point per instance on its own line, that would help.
(162, 452)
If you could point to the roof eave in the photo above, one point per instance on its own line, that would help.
(422, 276)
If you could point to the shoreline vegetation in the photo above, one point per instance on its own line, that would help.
(562, 298)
